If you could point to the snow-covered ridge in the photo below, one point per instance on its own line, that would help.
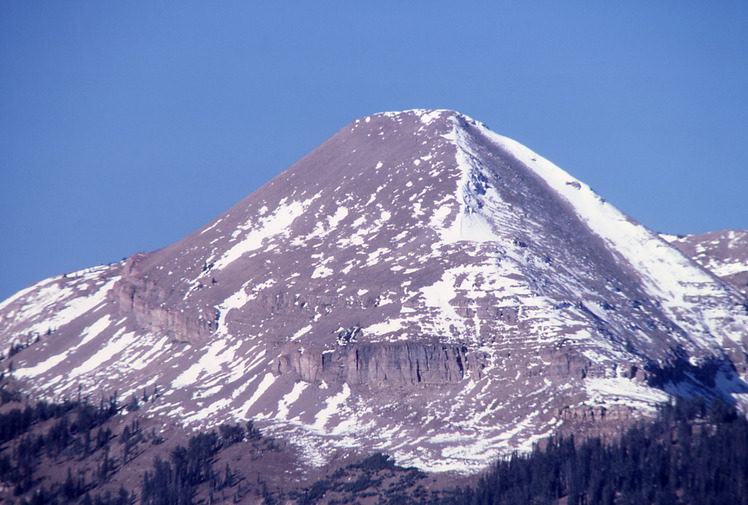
(669, 276)
(57, 301)
(723, 253)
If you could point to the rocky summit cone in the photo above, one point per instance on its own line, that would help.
(416, 285)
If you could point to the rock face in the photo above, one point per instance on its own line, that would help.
(136, 294)
(382, 364)
(416, 285)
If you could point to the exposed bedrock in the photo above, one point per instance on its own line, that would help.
(384, 363)
(137, 294)
(584, 421)
(598, 414)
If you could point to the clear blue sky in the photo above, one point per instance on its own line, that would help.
(124, 126)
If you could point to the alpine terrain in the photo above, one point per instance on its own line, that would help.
(418, 286)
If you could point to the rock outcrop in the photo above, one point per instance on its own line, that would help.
(137, 294)
(377, 364)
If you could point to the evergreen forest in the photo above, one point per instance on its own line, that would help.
(693, 453)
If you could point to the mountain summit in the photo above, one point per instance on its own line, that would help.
(416, 285)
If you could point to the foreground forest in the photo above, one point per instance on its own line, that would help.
(114, 453)
(75, 452)
(693, 453)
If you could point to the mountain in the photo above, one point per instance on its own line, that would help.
(725, 253)
(416, 285)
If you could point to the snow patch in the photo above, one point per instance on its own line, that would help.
(263, 386)
(289, 399)
(332, 406)
(269, 226)
(116, 345)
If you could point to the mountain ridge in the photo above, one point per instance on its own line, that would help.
(723, 252)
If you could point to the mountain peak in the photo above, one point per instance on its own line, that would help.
(416, 285)
(426, 116)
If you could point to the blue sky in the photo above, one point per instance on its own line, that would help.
(124, 126)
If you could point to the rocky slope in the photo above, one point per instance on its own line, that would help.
(416, 285)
